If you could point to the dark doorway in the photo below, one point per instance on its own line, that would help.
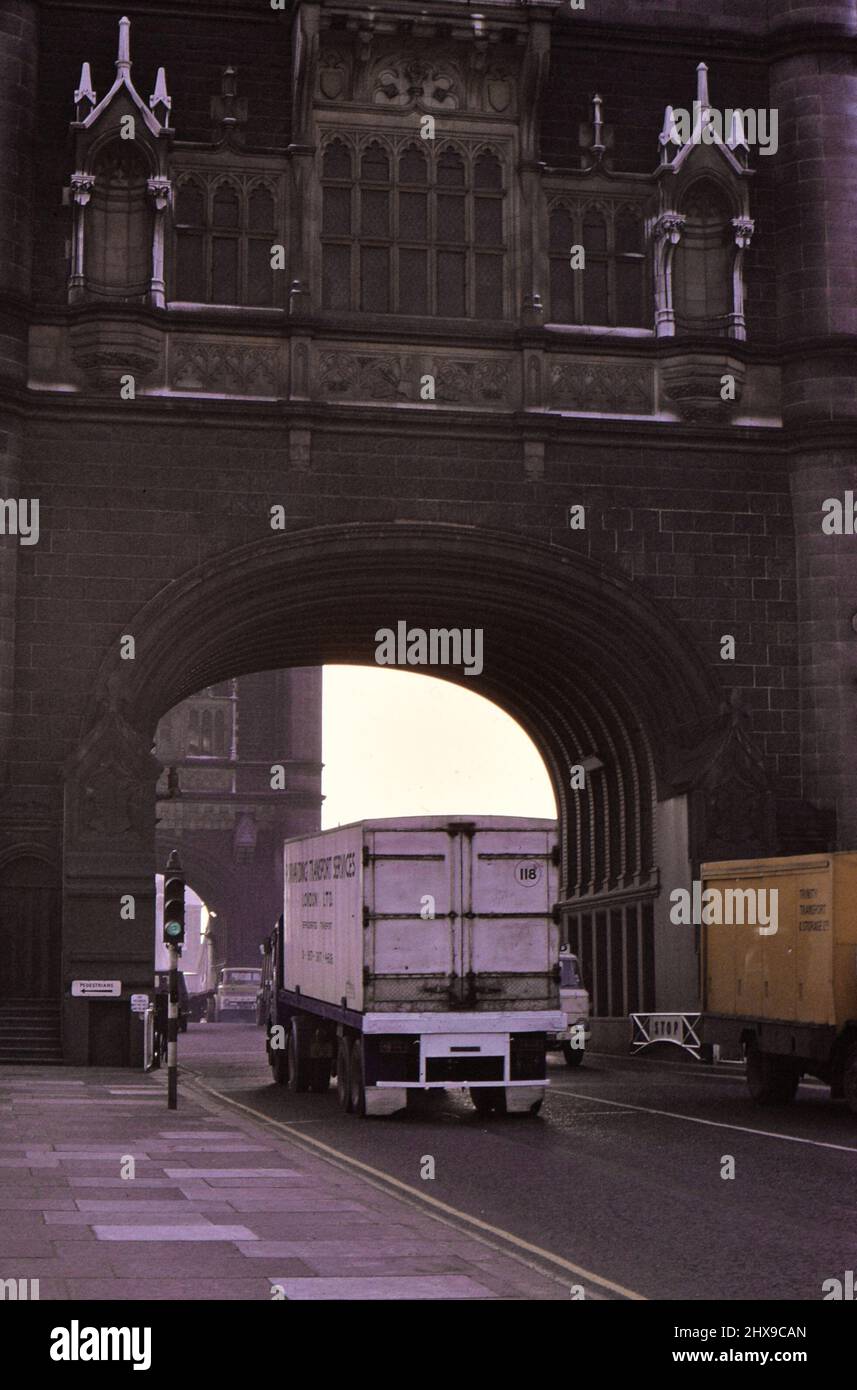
(30, 930)
(108, 1033)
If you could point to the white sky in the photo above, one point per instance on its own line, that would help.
(400, 744)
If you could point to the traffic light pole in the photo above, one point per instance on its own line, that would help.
(174, 894)
(173, 1033)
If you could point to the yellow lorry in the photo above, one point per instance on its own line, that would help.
(779, 969)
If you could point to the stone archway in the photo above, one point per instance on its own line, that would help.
(579, 656)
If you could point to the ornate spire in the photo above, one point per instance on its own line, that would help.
(702, 87)
(123, 57)
(598, 145)
(160, 97)
(89, 114)
(85, 93)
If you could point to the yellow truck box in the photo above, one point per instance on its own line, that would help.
(779, 964)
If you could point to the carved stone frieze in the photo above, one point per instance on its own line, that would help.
(615, 388)
(242, 369)
(412, 79)
(365, 376)
(471, 381)
(368, 376)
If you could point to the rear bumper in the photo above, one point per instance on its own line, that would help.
(457, 1052)
(532, 1021)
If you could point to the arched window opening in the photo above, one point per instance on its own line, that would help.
(375, 197)
(190, 242)
(595, 276)
(336, 226)
(610, 288)
(630, 267)
(118, 255)
(702, 268)
(421, 232)
(223, 239)
(414, 239)
(560, 242)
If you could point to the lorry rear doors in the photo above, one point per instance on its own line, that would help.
(509, 881)
(413, 918)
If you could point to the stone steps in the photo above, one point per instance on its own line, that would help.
(29, 1032)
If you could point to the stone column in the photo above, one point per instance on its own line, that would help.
(814, 91)
(108, 878)
(18, 64)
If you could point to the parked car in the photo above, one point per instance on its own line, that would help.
(236, 992)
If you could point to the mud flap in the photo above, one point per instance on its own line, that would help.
(385, 1100)
(519, 1099)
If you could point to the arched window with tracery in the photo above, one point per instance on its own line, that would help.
(609, 288)
(224, 232)
(413, 230)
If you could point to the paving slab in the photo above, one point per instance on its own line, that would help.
(219, 1208)
(393, 1287)
(190, 1231)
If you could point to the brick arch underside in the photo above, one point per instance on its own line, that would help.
(578, 656)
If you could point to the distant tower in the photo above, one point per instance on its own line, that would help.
(243, 771)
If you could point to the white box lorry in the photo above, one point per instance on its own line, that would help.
(417, 953)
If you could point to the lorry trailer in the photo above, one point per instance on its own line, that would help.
(413, 954)
(779, 970)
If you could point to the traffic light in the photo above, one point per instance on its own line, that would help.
(174, 887)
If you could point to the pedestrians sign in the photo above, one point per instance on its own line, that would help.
(88, 989)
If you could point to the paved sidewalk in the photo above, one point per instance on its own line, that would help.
(217, 1207)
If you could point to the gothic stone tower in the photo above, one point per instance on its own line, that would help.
(222, 749)
(317, 315)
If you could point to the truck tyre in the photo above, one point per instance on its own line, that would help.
(849, 1080)
(489, 1100)
(357, 1086)
(298, 1055)
(573, 1055)
(343, 1075)
(771, 1080)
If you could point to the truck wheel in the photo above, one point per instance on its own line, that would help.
(849, 1080)
(343, 1075)
(573, 1055)
(771, 1080)
(298, 1055)
(489, 1100)
(357, 1086)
